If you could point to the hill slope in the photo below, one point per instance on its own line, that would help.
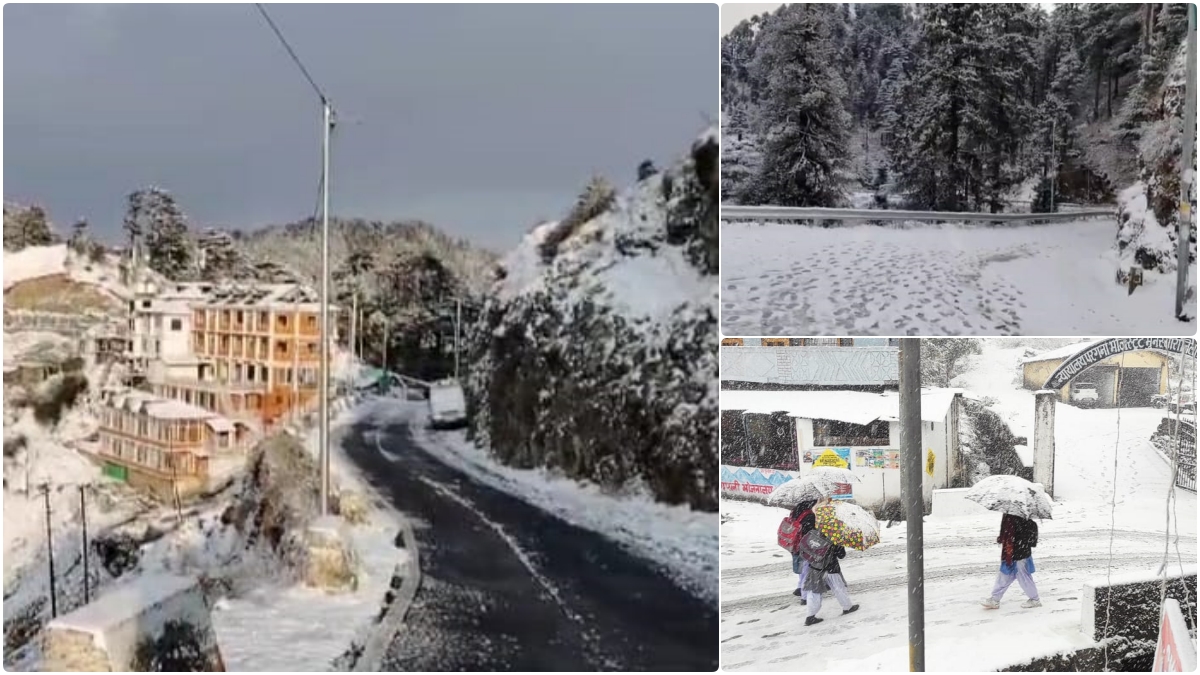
(596, 353)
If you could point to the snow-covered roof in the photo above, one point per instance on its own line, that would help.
(219, 424)
(855, 407)
(155, 406)
(124, 603)
(1061, 353)
(261, 295)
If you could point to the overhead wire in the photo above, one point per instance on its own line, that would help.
(291, 52)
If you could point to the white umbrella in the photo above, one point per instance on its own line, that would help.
(1011, 494)
(823, 481)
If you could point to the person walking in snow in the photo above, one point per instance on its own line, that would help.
(800, 566)
(1017, 538)
(825, 574)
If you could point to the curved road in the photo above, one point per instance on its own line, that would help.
(508, 586)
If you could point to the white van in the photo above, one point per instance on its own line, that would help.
(447, 405)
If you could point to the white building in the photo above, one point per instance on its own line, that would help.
(160, 326)
(862, 429)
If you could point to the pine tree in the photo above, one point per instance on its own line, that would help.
(968, 106)
(802, 122)
(740, 157)
(218, 257)
(26, 226)
(79, 239)
(168, 246)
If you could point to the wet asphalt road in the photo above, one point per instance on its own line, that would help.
(508, 586)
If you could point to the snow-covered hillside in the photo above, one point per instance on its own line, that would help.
(596, 354)
(33, 262)
(1104, 458)
(936, 280)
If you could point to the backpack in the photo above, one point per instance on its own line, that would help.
(814, 547)
(789, 531)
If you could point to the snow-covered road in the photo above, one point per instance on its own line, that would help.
(779, 279)
(1103, 458)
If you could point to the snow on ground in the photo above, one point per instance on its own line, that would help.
(289, 628)
(1053, 279)
(762, 623)
(682, 541)
(33, 262)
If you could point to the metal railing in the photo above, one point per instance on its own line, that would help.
(787, 213)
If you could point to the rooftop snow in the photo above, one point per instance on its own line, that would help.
(855, 407)
(124, 602)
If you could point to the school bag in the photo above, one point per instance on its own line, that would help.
(789, 531)
(814, 547)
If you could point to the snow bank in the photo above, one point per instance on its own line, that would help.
(33, 262)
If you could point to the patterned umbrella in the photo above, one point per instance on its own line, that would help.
(1011, 494)
(822, 481)
(847, 525)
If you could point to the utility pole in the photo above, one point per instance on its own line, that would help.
(50, 551)
(457, 330)
(327, 114)
(385, 347)
(912, 496)
(1187, 169)
(83, 521)
(354, 322)
(1054, 158)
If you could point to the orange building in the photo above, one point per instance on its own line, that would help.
(256, 350)
(164, 446)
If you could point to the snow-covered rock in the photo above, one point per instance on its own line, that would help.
(596, 355)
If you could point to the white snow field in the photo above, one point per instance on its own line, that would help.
(762, 624)
(1055, 279)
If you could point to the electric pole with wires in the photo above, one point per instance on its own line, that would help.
(327, 124)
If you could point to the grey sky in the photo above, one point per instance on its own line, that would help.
(478, 118)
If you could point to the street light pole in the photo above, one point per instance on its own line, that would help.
(457, 325)
(327, 114)
(912, 495)
(1187, 169)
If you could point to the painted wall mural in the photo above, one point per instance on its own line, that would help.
(749, 480)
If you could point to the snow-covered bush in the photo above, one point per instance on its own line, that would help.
(602, 362)
(60, 394)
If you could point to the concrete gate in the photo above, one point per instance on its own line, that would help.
(1044, 399)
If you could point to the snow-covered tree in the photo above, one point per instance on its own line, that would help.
(154, 216)
(967, 106)
(79, 239)
(26, 226)
(802, 120)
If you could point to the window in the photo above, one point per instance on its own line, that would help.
(310, 322)
(832, 433)
(281, 346)
(775, 342)
(312, 348)
(845, 342)
(820, 342)
(732, 342)
(283, 320)
(176, 324)
(145, 304)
